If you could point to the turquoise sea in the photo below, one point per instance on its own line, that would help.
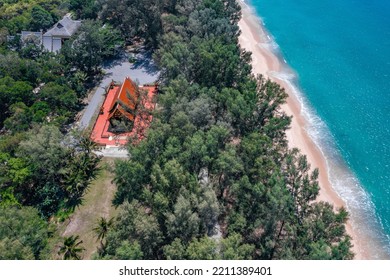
(338, 58)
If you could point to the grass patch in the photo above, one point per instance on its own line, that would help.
(97, 203)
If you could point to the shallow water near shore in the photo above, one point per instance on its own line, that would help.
(340, 53)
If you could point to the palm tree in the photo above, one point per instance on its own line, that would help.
(101, 230)
(71, 248)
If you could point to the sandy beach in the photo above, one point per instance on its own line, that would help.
(253, 38)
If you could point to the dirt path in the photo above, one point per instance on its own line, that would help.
(97, 203)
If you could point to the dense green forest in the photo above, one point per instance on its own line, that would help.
(45, 164)
(214, 178)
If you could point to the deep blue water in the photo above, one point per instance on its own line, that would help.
(340, 50)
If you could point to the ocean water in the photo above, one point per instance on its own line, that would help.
(338, 62)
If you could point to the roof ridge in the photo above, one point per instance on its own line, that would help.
(64, 27)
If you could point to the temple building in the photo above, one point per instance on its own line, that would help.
(122, 116)
(122, 111)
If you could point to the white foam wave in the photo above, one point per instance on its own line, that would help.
(285, 76)
(270, 46)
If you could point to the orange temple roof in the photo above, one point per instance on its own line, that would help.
(125, 100)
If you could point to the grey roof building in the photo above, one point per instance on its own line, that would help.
(31, 36)
(54, 38)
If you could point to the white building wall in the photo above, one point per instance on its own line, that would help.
(57, 44)
(47, 43)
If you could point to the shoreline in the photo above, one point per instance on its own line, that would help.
(264, 62)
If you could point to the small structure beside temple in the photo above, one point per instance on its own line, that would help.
(31, 37)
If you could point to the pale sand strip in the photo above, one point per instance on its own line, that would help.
(263, 62)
